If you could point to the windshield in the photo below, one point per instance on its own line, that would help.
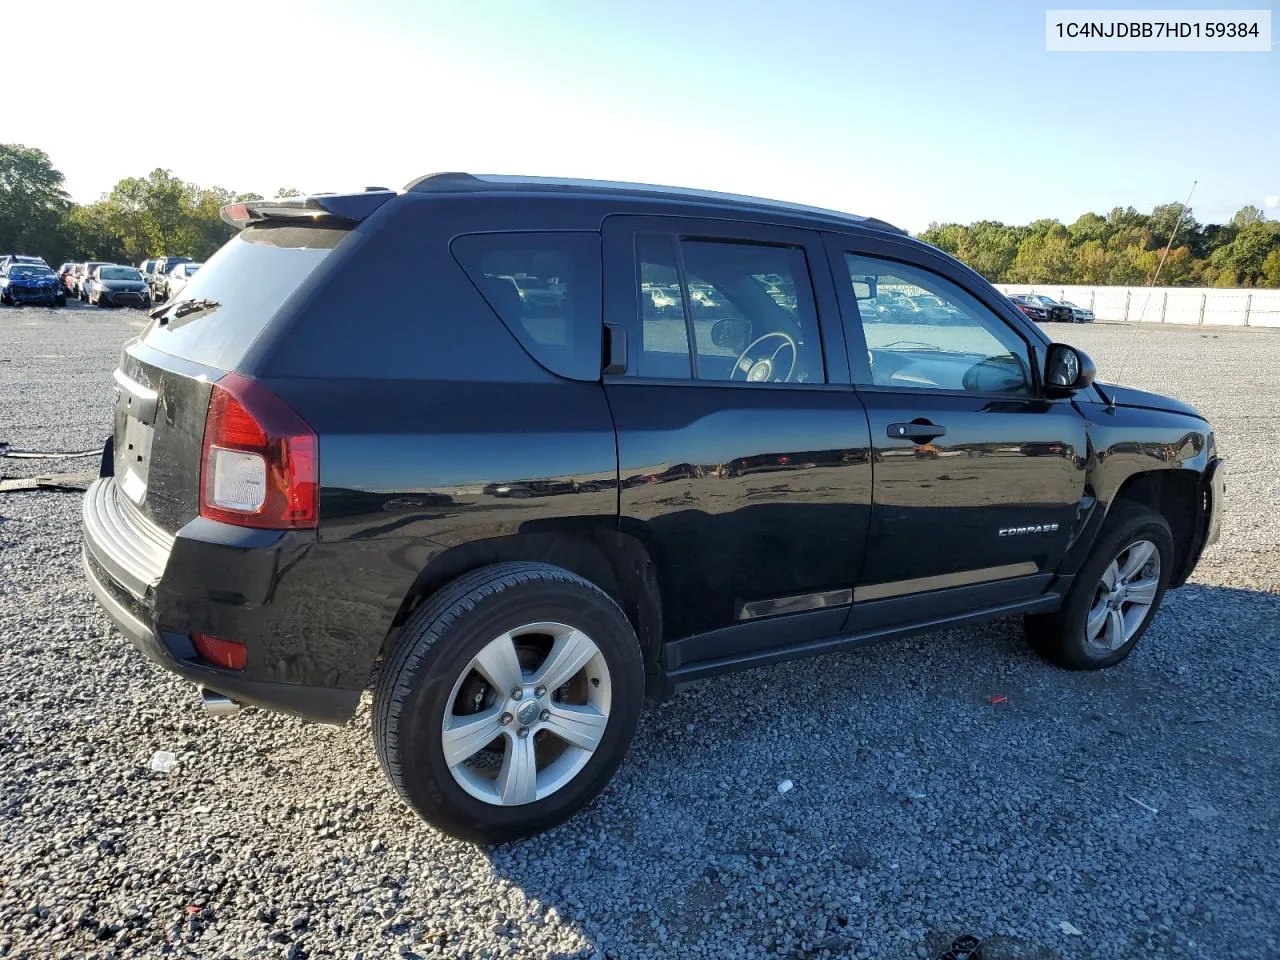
(29, 270)
(119, 273)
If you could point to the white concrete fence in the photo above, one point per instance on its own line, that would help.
(1193, 305)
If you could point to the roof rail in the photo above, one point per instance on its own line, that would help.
(467, 182)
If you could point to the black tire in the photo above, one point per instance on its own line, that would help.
(415, 685)
(1060, 637)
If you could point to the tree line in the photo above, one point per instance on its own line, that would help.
(159, 214)
(1123, 248)
(141, 217)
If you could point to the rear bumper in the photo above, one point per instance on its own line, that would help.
(125, 559)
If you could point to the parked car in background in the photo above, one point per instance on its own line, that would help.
(85, 275)
(518, 633)
(148, 269)
(662, 300)
(172, 283)
(20, 258)
(24, 282)
(1030, 308)
(158, 280)
(1055, 312)
(65, 277)
(115, 285)
(931, 309)
(75, 278)
(1079, 314)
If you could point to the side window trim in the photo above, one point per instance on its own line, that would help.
(620, 233)
(838, 244)
(686, 304)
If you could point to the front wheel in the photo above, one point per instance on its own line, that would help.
(1114, 597)
(509, 702)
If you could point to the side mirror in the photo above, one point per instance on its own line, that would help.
(864, 288)
(1067, 369)
(732, 333)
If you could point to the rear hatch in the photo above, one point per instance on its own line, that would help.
(166, 375)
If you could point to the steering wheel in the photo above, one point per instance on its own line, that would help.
(762, 370)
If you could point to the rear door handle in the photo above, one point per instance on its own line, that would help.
(915, 430)
(615, 349)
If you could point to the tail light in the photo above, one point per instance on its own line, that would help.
(258, 467)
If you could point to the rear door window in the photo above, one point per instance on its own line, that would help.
(230, 301)
(545, 287)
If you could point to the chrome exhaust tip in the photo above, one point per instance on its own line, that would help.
(216, 705)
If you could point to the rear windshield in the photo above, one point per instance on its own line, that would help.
(224, 307)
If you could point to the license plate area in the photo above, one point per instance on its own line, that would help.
(134, 430)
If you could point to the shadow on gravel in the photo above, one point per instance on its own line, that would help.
(1120, 803)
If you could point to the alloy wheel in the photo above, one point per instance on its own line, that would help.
(1123, 598)
(527, 714)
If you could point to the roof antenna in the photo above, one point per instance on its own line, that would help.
(1124, 357)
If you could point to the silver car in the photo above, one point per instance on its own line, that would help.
(177, 278)
(1079, 314)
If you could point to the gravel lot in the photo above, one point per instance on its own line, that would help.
(1137, 805)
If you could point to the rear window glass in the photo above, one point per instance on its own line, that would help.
(224, 307)
(546, 289)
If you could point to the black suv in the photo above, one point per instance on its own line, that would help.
(317, 467)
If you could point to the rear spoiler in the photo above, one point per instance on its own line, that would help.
(345, 208)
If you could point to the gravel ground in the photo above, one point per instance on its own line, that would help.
(1138, 805)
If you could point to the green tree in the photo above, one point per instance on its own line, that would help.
(1090, 227)
(1167, 217)
(1247, 217)
(1271, 270)
(33, 203)
(1245, 255)
(1093, 263)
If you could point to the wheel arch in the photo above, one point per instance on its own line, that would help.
(1178, 496)
(616, 562)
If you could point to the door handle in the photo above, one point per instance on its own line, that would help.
(917, 430)
(615, 349)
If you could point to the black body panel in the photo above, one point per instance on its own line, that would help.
(734, 523)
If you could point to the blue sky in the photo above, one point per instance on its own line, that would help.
(913, 112)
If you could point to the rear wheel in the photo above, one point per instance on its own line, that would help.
(510, 700)
(1114, 597)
